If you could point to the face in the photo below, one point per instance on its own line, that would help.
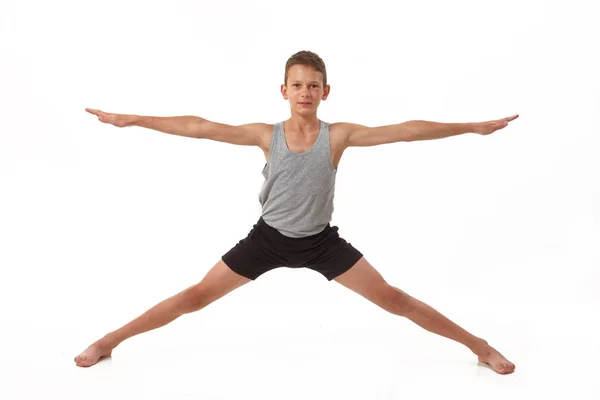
(304, 89)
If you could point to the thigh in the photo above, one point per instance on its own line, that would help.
(254, 255)
(365, 280)
(219, 281)
(331, 255)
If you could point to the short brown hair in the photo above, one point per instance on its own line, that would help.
(309, 58)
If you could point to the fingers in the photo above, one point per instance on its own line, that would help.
(504, 121)
(102, 116)
(507, 119)
(93, 111)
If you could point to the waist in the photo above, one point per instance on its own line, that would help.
(291, 233)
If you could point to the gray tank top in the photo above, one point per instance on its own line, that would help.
(298, 191)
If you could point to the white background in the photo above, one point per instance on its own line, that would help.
(97, 224)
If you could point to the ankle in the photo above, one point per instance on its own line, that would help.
(109, 341)
(478, 346)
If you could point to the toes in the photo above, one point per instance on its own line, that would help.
(502, 369)
(508, 368)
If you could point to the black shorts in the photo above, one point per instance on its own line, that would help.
(265, 248)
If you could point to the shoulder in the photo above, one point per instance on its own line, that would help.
(342, 131)
(264, 132)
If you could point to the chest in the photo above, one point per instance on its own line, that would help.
(300, 144)
(336, 144)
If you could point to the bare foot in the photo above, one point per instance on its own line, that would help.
(93, 354)
(490, 356)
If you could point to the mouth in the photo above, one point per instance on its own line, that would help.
(305, 104)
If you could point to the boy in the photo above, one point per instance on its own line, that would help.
(302, 155)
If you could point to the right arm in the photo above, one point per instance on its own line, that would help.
(189, 126)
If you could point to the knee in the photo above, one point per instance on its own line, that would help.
(398, 302)
(193, 299)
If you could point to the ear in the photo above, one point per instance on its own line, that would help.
(326, 91)
(284, 91)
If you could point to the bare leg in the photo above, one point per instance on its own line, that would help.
(366, 281)
(219, 281)
(430, 319)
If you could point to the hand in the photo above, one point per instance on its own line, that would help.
(119, 120)
(485, 128)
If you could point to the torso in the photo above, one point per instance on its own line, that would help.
(337, 140)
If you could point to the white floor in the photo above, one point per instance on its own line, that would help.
(285, 338)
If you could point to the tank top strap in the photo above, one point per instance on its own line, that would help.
(277, 140)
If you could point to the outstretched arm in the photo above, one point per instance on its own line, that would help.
(189, 126)
(359, 135)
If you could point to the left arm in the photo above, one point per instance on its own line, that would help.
(359, 135)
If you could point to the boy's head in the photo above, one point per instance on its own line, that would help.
(305, 81)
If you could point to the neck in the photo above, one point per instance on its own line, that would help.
(305, 124)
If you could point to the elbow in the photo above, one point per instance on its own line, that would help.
(196, 127)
